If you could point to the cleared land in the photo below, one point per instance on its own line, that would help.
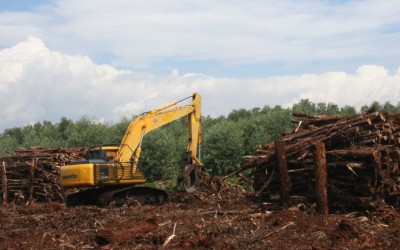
(218, 216)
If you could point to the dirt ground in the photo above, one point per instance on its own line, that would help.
(217, 216)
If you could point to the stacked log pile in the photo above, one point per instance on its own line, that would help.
(361, 161)
(33, 173)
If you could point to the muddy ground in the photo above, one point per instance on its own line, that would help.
(218, 216)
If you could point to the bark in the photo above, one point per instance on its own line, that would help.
(283, 174)
(321, 178)
(4, 182)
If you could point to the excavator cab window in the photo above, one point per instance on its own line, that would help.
(93, 154)
(104, 154)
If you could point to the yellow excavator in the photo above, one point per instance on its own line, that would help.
(110, 172)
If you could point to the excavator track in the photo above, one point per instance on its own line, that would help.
(105, 196)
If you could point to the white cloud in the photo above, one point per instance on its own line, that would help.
(175, 72)
(371, 72)
(39, 84)
(137, 34)
(127, 109)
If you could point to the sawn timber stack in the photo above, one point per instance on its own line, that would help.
(362, 161)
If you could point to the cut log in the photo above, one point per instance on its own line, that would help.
(321, 178)
(283, 174)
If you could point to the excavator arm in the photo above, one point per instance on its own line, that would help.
(131, 144)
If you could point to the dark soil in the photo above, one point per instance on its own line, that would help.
(217, 216)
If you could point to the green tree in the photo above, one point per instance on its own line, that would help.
(265, 109)
(278, 122)
(63, 127)
(322, 108)
(15, 133)
(374, 106)
(223, 147)
(161, 155)
(265, 127)
(389, 108)
(86, 132)
(305, 106)
(237, 114)
(332, 109)
(32, 137)
(8, 144)
(348, 110)
(255, 111)
(118, 130)
(254, 133)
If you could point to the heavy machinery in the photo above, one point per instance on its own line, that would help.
(110, 172)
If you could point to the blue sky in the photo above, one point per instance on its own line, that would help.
(239, 54)
(21, 5)
(227, 38)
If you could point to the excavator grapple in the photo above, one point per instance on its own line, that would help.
(189, 178)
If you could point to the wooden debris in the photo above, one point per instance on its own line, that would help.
(111, 235)
(33, 173)
(4, 182)
(283, 174)
(362, 160)
(321, 178)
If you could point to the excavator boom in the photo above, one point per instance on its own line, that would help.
(154, 119)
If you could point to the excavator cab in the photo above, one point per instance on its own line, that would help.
(106, 152)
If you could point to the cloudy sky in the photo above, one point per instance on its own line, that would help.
(108, 59)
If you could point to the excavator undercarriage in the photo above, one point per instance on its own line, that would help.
(117, 195)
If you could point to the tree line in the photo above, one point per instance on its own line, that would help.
(226, 139)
